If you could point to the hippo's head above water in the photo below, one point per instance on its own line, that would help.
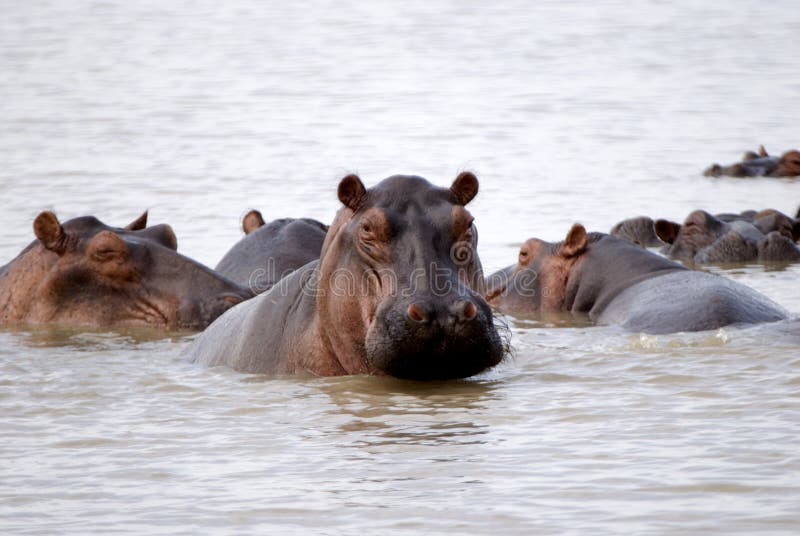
(639, 230)
(400, 281)
(759, 165)
(539, 280)
(705, 239)
(87, 273)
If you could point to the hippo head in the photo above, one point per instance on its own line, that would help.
(788, 165)
(770, 220)
(639, 231)
(400, 281)
(87, 273)
(776, 247)
(538, 282)
(699, 230)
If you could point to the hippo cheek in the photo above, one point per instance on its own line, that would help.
(422, 341)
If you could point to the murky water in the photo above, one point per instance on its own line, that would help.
(568, 111)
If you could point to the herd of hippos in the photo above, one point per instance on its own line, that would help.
(394, 286)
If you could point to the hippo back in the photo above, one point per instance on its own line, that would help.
(688, 301)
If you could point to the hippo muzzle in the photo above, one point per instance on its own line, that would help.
(434, 337)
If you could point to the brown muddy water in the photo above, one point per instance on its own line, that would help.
(567, 111)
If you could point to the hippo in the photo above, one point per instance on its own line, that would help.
(759, 165)
(639, 230)
(84, 273)
(705, 239)
(397, 291)
(270, 251)
(614, 282)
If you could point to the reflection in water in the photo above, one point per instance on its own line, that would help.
(386, 411)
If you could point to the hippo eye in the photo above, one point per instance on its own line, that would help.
(367, 231)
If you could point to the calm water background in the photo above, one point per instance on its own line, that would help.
(568, 111)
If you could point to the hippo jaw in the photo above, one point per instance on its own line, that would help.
(448, 339)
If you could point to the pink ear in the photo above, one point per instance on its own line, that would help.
(48, 230)
(464, 188)
(252, 221)
(351, 192)
(576, 241)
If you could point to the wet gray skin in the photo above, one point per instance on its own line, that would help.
(271, 251)
(397, 291)
(614, 282)
(86, 273)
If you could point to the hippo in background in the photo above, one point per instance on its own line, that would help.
(705, 239)
(270, 251)
(614, 282)
(759, 165)
(86, 273)
(397, 290)
(639, 230)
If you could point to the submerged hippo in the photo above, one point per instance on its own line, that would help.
(759, 165)
(640, 231)
(270, 251)
(617, 283)
(85, 273)
(397, 291)
(705, 239)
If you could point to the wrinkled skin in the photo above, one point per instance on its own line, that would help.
(271, 251)
(397, 291)
(639, 231)
(614, 282)
(759, 165)
(705, 239)
(86, 274)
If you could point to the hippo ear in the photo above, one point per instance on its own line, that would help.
(107, 246)
(667, 231)
(48, 230)
(351, 192)
(464, 188)
(762, 152)
(252, 221)
(575, 243)
(138, 224)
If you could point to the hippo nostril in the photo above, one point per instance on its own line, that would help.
(417, 313)
(470, 311)
(464, 311)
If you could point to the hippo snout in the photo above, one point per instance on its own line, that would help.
(458, 312)
(429, 338)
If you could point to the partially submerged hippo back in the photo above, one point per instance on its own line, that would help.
(270, 251)
(397, 290)
(759, 165)
(705, 239)
(85, 273)
(614, 282)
